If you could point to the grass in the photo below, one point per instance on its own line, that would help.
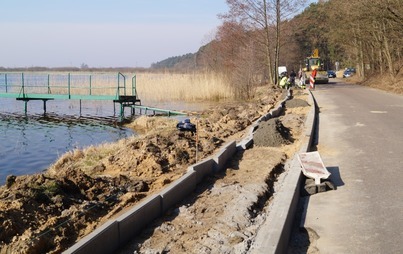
(85, 159)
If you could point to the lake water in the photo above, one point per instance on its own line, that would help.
(30, 143)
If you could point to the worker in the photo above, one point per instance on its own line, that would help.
(302, 79)
(300, 74)
(284, 82)
(292, 78)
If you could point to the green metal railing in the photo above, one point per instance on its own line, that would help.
(134, 90)
(88, 86)
(120, 76)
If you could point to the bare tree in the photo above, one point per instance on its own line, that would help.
(247, 74)
(265, 16)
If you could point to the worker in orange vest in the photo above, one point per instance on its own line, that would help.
(314, 72)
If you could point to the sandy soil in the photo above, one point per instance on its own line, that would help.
(48, 212)
(224, 214)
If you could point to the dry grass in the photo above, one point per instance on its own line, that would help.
(197, 86)
(387, 83)
(85, 159)
(144, 124)
(90, 159)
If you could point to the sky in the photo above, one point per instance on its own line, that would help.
(103, 33)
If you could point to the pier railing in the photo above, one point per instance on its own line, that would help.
(86, 86)
(81, 86)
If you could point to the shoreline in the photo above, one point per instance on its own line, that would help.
(110, 177)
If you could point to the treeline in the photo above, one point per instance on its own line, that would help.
(257, 36)
(364, 34)
(186, 61)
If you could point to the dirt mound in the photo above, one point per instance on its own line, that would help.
(295, 103)
(271, 133)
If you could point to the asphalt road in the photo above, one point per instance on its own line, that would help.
(361, 143)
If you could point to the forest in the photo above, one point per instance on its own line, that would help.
(257, 36)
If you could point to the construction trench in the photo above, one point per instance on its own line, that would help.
(230, 208)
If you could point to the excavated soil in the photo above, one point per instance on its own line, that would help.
(272, 133)
(296, 103)
(224, 214)
(48, 212)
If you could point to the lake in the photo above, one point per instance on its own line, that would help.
(30, 143)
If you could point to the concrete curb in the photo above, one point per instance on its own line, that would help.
(203, 168)
(103, 240)
(224, 155)
(273, 236)
(118, 232)
(136, 219)
(178, 190)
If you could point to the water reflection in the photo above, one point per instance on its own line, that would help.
(29, 144)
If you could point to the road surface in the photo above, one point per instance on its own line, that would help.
(361, 143)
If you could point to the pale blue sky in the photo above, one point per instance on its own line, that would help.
(103, 33)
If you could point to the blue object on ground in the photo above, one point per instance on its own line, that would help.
(186, 125)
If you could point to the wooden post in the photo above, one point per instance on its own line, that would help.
(44, 106)
(25, 106)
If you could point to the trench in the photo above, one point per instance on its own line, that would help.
(265, 198)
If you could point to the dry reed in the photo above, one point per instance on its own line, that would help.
(191, 87)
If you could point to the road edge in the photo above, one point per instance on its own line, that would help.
(274, 234)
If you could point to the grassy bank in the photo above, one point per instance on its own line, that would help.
(382, 82)
(386, 83)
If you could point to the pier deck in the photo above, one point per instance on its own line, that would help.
(75, 86)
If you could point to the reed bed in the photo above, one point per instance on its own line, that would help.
(189, 87)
